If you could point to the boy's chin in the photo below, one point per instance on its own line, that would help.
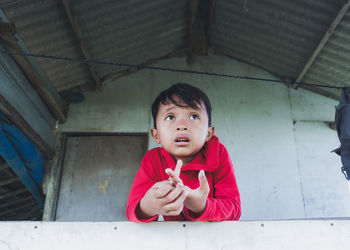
(186, 158)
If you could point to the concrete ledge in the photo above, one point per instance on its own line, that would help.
(295, 234)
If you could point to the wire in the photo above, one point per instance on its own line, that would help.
(83, 60)
(9, 3)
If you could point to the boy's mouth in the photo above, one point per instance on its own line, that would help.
(182, 141)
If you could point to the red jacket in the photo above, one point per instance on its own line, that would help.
(223, 202)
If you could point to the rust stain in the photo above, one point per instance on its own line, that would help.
(103, 186)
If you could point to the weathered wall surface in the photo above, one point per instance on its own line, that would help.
(277, 137)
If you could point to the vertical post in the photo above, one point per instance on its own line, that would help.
(55, 178)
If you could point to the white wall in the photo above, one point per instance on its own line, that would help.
(268, 129)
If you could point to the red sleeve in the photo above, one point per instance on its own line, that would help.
(143, 181)
(226, 203)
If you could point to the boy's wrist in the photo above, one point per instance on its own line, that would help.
(196, 204)
(142, 210)
(195, 213)
(198, 209)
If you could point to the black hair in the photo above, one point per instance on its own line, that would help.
(187, 94)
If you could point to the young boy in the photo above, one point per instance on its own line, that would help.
(191, 177)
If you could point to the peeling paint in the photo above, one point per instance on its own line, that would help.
(103, 186)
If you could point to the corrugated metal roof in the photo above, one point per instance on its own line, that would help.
(332, 64)
(278, 36)
(45, 28)
(123, 31)
(130, 31)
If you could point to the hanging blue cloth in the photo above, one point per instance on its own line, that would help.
(22, 156)
(342, 122)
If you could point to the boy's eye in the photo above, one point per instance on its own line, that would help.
(170, 118)
(194, 117)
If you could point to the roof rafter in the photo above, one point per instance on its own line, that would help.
(199, 19)
(324, 40)
(8, 30)
(73, 21)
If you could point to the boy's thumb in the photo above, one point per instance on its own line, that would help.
(203, 182)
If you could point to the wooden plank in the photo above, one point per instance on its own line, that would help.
(11, 210)
(324, 40)
(11, 113)
(55, 178)
(9, 181)
(4, 165)
(14, 202)
(33, 210)
(9, 194)
(55, 108)
(79, 36)
(97, 176)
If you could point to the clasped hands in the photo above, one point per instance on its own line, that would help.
(168, 197)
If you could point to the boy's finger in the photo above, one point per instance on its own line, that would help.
(175, 178)
(203, 182)
(178, 166)
(163, 189)
(174, 194)
(177, 203)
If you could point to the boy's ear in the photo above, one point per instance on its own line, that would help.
(210, 134)
(154, 134)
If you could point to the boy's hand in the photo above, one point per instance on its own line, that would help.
(163, 198)
(196, 199)
(174, 176)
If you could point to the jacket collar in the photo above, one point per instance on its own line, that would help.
(207, 159)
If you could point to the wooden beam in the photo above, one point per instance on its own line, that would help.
(79, 36)
(6, 38)
(15, 117)
(53, 187)
(191, 17)
(199, 21)
(324, 40)
(209, 19)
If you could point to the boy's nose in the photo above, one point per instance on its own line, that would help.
(181, 126)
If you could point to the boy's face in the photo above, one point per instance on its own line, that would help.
(182, 131)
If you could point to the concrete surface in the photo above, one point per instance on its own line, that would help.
(308, 235)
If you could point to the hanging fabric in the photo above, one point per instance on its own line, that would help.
(23, 157)
(342, 122)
